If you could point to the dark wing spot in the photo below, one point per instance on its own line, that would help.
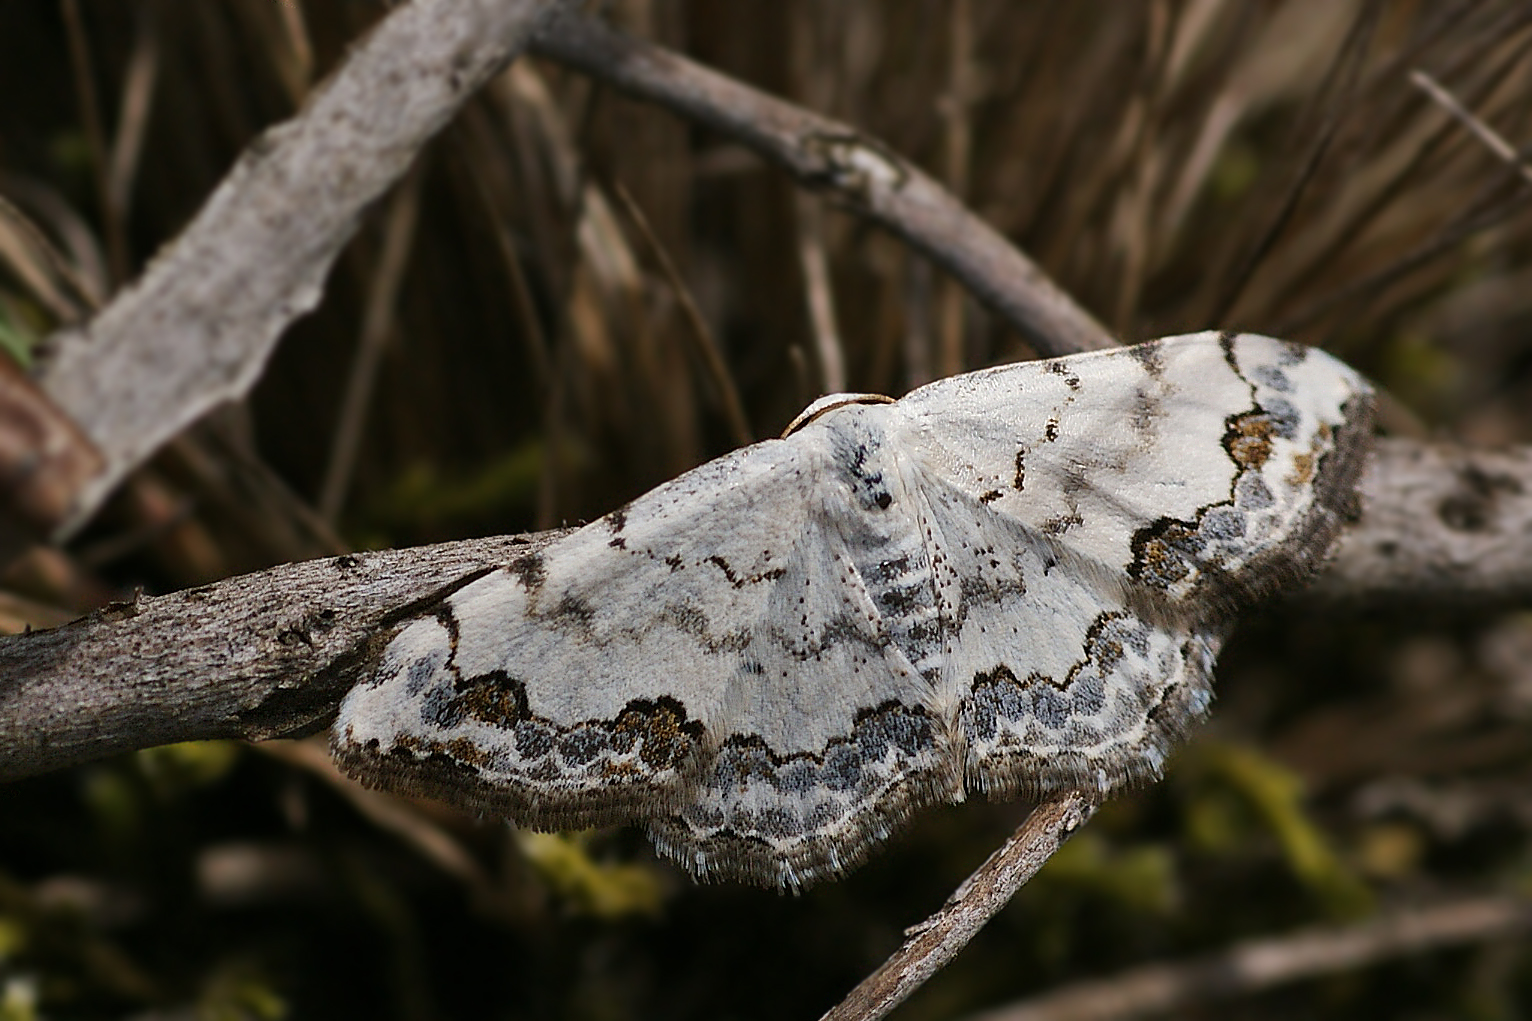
(667, 735)
(495, 698)
(575, 611)
(1062, 523)
(728, 572)
(1160, 552)
(529, 570)
(1151, 357)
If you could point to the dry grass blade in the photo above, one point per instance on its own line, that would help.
(1345, 233)
(820, 295)
(133, 115)
(95, 137)
(702, 338)
(298, 69)
(378, 326)
(1341, 81)
(41, 266)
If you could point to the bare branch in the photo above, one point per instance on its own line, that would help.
(1260, 964)
(197, 328)
(1441, 523)
(936, 941)
(264, 655)
(858, 170)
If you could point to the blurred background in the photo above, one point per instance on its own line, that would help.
(506, 346)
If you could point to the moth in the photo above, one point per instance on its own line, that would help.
(1013, 581)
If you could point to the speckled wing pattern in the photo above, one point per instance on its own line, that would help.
(1013, 581)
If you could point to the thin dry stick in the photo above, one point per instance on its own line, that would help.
(377, 327)
(1483, 132)
(931, 945)
(820, 295)
(702, 338)
(264, 655)
(1440, 523)
(1261, 964)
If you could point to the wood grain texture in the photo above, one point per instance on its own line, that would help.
(197, 328)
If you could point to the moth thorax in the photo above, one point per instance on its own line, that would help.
(827, 404)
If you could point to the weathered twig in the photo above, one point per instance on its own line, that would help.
(1261, 964)
(197, 328)
(1441, 523)
(936, 941)
(264, 655)
(856, 169)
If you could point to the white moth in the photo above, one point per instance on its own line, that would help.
(1012, 581)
